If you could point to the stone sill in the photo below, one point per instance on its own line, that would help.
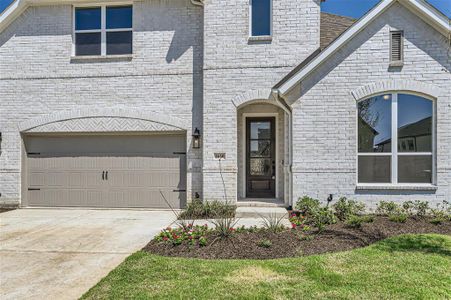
(396, 64)
(260, 38)
(101, 58)
(368, 187)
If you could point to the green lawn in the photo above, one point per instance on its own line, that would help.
(405, 267)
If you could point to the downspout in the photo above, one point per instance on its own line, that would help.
(283, 104)
(197, 2)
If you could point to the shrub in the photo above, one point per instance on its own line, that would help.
(264, 243)
(345, 208)
(354, 221)
(307, 205)
(387, 208)
(177, 236)
(273, 223)
(199, 209)
(441, 214)
(322, 217)
(399, 217)
(416, 208)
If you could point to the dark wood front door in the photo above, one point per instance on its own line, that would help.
(260, 157)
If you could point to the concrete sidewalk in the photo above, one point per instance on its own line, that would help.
(61, 253)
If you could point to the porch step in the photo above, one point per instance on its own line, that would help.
(259, 212)
(260, 203)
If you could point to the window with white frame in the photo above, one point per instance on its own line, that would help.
(260, 17)
(103, 30)
(396, 139)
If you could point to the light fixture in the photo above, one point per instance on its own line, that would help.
(196, 138)
(386, 97)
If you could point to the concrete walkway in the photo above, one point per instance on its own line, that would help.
(61, 253)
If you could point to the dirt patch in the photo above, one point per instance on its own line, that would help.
(290, 243)
(2, 210)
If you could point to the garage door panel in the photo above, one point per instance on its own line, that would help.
(68, 171)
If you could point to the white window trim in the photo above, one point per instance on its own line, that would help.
(103, 30)
(394, 154)
(260, 37)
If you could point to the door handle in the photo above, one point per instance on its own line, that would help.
(103, 175)
(106, 175)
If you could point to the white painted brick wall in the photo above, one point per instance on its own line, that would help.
(37, 75)
(233, 66)
(325, 115)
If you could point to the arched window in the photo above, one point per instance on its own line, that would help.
(407, 120)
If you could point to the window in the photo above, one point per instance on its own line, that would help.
(260, 17)
(396, 48)
(104, 30)
(395, 139)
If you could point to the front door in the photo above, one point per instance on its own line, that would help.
(260, 158)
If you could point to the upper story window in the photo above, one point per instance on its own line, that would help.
(405, 119)
(103, 30)
(260, 17)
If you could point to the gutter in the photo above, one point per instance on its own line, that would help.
(283, 104)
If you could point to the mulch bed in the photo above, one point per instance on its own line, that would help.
(337, 237)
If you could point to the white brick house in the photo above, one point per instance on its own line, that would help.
(145, 103)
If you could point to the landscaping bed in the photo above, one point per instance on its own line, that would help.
(262, 243)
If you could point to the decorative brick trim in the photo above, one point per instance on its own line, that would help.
(164, 120)
(261, 95)
(395, 85)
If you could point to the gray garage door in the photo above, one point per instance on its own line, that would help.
(106, 171)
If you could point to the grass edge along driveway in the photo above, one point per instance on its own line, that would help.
(403, 267)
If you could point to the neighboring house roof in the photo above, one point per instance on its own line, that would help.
(421, 8)
(420, 128)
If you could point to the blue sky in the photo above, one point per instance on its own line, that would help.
(357, 8)
(351, 8)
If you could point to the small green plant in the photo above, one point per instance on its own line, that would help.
(307, 205)
(399, 217)
(202, 241)
(273, 222)
(264, 243)
(345, 208)
(305, 237)
(387, 208)
(357, 221)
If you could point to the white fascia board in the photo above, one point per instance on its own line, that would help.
(427, 11)
(431, 14)
(14, 10)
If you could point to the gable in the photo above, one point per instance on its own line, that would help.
(419, 8)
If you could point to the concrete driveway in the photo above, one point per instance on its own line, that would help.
(61, 253)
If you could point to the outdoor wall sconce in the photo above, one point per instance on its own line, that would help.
(196, 138)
